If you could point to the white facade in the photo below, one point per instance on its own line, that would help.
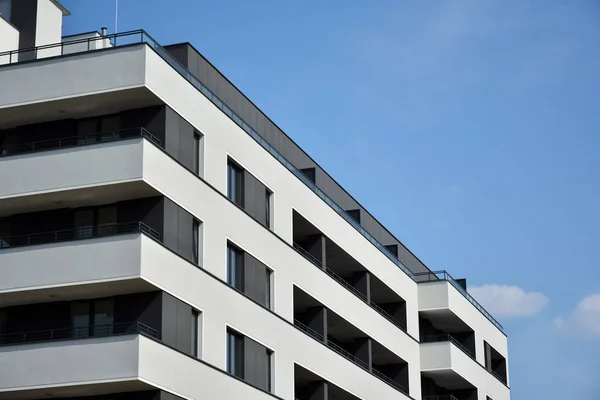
(79, 86)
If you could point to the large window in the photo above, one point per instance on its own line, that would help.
(235, 354)
(92, 318)
(258, 371)
(235, 267)
(235, 183)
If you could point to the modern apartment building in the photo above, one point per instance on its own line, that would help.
(162, 238)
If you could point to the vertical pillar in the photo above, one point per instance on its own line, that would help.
(364, 351)
(317, 320)
(317, 247)
(318, 390)
(362, 282)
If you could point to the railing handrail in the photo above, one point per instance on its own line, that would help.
(446, 337)
(443, 275)
(5, 242)
(119, 328)
(389, 381)
(77, 141)
(144, 37)
(347, 285)
(347, 355)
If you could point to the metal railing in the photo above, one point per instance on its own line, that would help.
(86, 232)
(436, 276)
(76, 141)
(389, 381)
(139, 37)
(444, 337)
(48, 335)
(347, 285)
(388, 316)
(441, 397)
(347, 355)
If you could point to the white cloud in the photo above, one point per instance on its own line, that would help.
(584, 319)
(509, 301)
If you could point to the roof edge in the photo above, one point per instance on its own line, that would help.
(62, 8)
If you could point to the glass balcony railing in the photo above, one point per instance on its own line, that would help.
(140, 36)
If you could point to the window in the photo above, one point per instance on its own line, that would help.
(196, 241)
(92, 318)
(2, 321)
(196, 333)
(235, 267)
(268, 198)
(235, 183)
(199, 154)
(235, 354)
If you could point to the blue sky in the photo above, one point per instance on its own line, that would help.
(471, 129)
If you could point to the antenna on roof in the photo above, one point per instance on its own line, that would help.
(116, 16)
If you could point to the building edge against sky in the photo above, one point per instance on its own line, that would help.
(144, 224)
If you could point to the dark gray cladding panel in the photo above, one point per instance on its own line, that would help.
(177, 323)
(240, 104)
(255, 279)
(178, 230)
(255, 198)
(256, 364)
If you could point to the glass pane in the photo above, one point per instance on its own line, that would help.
(80, 319)
(84, 219)
(107, 217)
(103, 317)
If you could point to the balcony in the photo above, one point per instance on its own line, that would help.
(81, 233)
(82, 332)
(337, 334)
(117, 359)
(77, 141)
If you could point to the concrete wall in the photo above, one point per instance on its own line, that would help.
(9, 40)
(48, 28)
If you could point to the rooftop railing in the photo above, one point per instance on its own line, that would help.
(140, 36)
(85, 232)
(76, 141)
(80, 332)
(437, 276)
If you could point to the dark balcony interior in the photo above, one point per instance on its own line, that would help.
(168, 129)
(431, 389)
(155, 314)
(156, 216)
(144, 395)
(310, 386)
(327, 255)
(440, 327)
(495, 362)
(347, 340)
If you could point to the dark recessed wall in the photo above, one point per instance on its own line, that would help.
(146, 395)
